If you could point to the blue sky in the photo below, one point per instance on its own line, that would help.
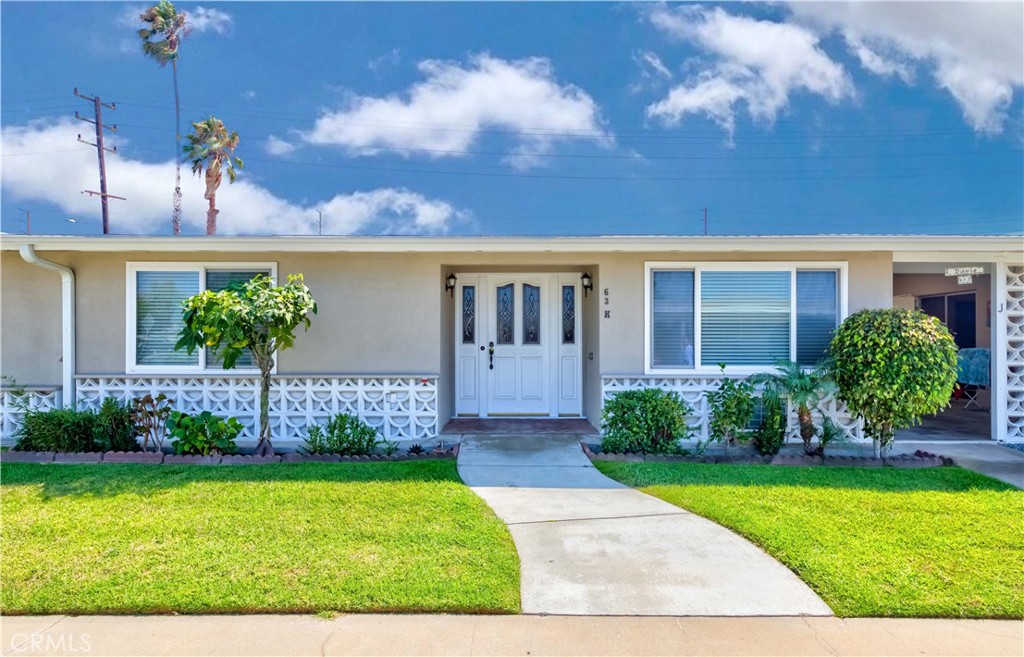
(471, 118)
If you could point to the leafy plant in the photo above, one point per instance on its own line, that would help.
(389, 447)
(892, 366)
(650, 421)
(829, 433)
(804, 388)
(416, 449)
(57, 430)
(114, 429)
(256, 316)
(770, 434)
(732, 410)
(203, 434)
(343, 434)
(150, 416)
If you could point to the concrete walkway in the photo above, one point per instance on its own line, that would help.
(591, 546)
(502, 635)
(984, 456)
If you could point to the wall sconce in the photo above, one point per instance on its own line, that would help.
(449, 285)
(588, 283)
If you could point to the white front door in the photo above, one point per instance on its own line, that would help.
(518, 345)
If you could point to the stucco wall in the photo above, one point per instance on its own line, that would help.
(30, 322)
(379, 313)
(923, 285)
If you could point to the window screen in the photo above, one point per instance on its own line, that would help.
(158, 316)
(745, 317)
(672, 319)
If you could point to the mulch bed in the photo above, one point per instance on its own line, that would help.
(919, 459)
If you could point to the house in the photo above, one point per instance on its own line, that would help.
(415, 331)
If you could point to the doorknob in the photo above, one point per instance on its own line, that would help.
(490, 355)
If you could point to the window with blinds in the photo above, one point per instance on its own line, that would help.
(817, 313)
(745, 317)
(672, 319)
(158, 297)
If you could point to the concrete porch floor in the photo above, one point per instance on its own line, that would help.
(954, 423)
(509, 426)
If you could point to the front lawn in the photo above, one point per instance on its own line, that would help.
(941, 542)
(311, 537)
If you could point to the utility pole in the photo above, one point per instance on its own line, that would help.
(705, 222)
(320, 222)
(98, 106)
(28, 221)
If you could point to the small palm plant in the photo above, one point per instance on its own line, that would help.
(804, 389)
(166, 28)
(210, 147)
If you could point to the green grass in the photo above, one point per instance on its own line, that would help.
(941, 542)
(270, 538)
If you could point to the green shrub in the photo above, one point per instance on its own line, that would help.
(57, 430)
(771, 432)
(343, 434)
(829, 433)
(651, 421)
(732, 410)
(893, 366)
(203, 434)
(114, 428)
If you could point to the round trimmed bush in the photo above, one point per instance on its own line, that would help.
(893, 366)
(649, 421)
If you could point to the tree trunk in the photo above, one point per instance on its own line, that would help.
(176, 214)
(263, 447)
(211, 216)
(806, 429)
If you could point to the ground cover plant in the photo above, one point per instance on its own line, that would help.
(938, 542)
(309, 537)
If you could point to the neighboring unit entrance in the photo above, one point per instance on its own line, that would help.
(518, 345)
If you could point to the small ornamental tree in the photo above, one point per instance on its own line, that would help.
(256, 316)
(893, 366)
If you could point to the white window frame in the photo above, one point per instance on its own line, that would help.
(131, 297)
(700, 368)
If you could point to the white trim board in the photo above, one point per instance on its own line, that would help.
(925, 247)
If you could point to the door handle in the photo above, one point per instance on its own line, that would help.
(490, 355)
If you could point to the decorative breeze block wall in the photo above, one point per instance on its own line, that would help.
(13, 403)
(400, 407)
(693, 389)
(1014, 353)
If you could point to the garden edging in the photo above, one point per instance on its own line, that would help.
(901, 461)
(157, 458)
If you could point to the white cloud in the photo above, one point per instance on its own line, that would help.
(276, 146)
(54, 175)
(757, 62)
(973, 50)
(390, 58)
(450, 108)
(208, 19)
(248, 94)
(884, 65)
(651, 65)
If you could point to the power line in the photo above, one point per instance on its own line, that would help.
(599, 156)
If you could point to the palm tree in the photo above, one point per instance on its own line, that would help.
(165, 29)
(804, 389)
(211, 147)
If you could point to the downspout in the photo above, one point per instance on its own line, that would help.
(67, 286)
